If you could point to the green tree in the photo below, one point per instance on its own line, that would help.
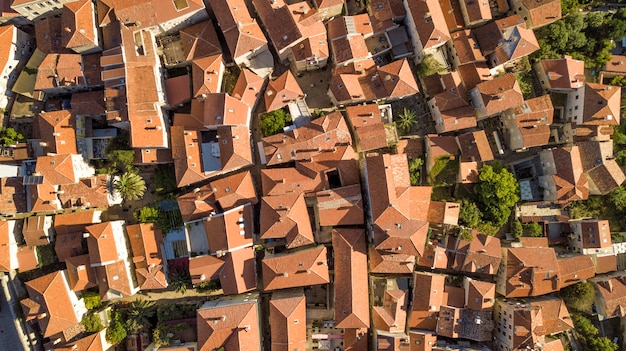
(92, 323)
(601, 344)
(618, 81)
(533, 229)
(517, 229)
(116, 332)
(415, 165)
(274, 122)
(131, 186)
(579, 297)
(618, 198)
(121, 159)
(469, 214)
(180, 280)
(139, 315)
(526, 85)
(92, 300)
(429, 66)
(407, 120)
(584, 326)
(8, 136)
(497, 191)
(594, 19)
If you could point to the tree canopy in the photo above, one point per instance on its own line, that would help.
(469, 214)
(8, 136)
(497, 191)
(579, 297)
(274, 122)
(131, 186)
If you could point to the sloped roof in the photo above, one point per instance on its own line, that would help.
(232, 326)
(80, 273)
(564, 73)
(340, 206)
(570, 180)
(234, 190)
(145, 242)
(500, 94)
(57, 130)
(530, 271)
(248, 87)
(301, 268)
(200, 40)
(229, 230)
(78, 25)
(238, 274)
(281, 91)
(287, 318)
(144, 14)
(243, 35)
(206, 72)
(286, 216)
(50, 292)
(543, 12)
(602, 104)
(480, 255)
(351, 283)
(102, 243)
(322, 134)
(391, 316)
(390, 263)
(556, 317)
(57, 169)
(429, 22)
(203, 268)
(612, 292)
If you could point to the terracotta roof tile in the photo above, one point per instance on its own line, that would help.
(287, 316)
(612, 294)
(281, 91)
(497, 95)
(483, 254)
(200, 40)
(79, 29)
(204, 268)
(355, 339)
(207, 75)
(429, 21)
(476, 11)
(197, 204)
(102, 242)
(391, 316)
(177, 90)
(542, 12)
(248, 87)
(390, 263)
(301, 268)
(145, 242)
(602, 104)
(88, 103)
(57, 169)
(238, 274)
(575, 269)
(145, 13)
(12, 196)
(243, 34)
(233, 325)
(475, 146)
(350, 278)
(80, 273)
(467, 49)
(564, 73)
(340, 206)
(91, 192)
(56, 310)
(321, 135)
(474, 74)
(285, 216)
(37, 230)
(60, 71)
(27, 258)
(114, 280)
(43, 197)
(276, 181)
(57, 130)
(556, 317)
(229, 230)
(8, 246)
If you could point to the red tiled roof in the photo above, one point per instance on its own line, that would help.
(390, 263)
(60, 71)
(285, 216)
(321, 135)
(177, 90)
(80, 273)
(287, 318)
(242, 33)
(56, 312)
(467, 49)
(145, 242)
(564, 73)
(78, 25)
(475, 146)
(91, 192)
(233, 326)
(429, 22)
(203, 268)
(101, 242)
(200, 40)
(248, 87)
(57, 130)
(542, 12)
(206, 73)
(301, 268)
(144, 14)
(238, 274)
(281, 91)
(612, 293)
(36, 231)
(340, 206)
(391, 316)
(602, 104)
(27, 259)
(499, 94)
(480, 255)
(351, 283)
(229, 230)
(113, 280)
(556, 317)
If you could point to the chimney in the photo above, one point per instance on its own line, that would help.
(68, 29)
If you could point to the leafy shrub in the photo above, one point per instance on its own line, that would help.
(92, 300)
(92, 323)
(274, 122)
(116, 332)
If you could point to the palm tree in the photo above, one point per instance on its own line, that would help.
(180, 280)
(407, 120)
(139, 315)
(131, 186)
